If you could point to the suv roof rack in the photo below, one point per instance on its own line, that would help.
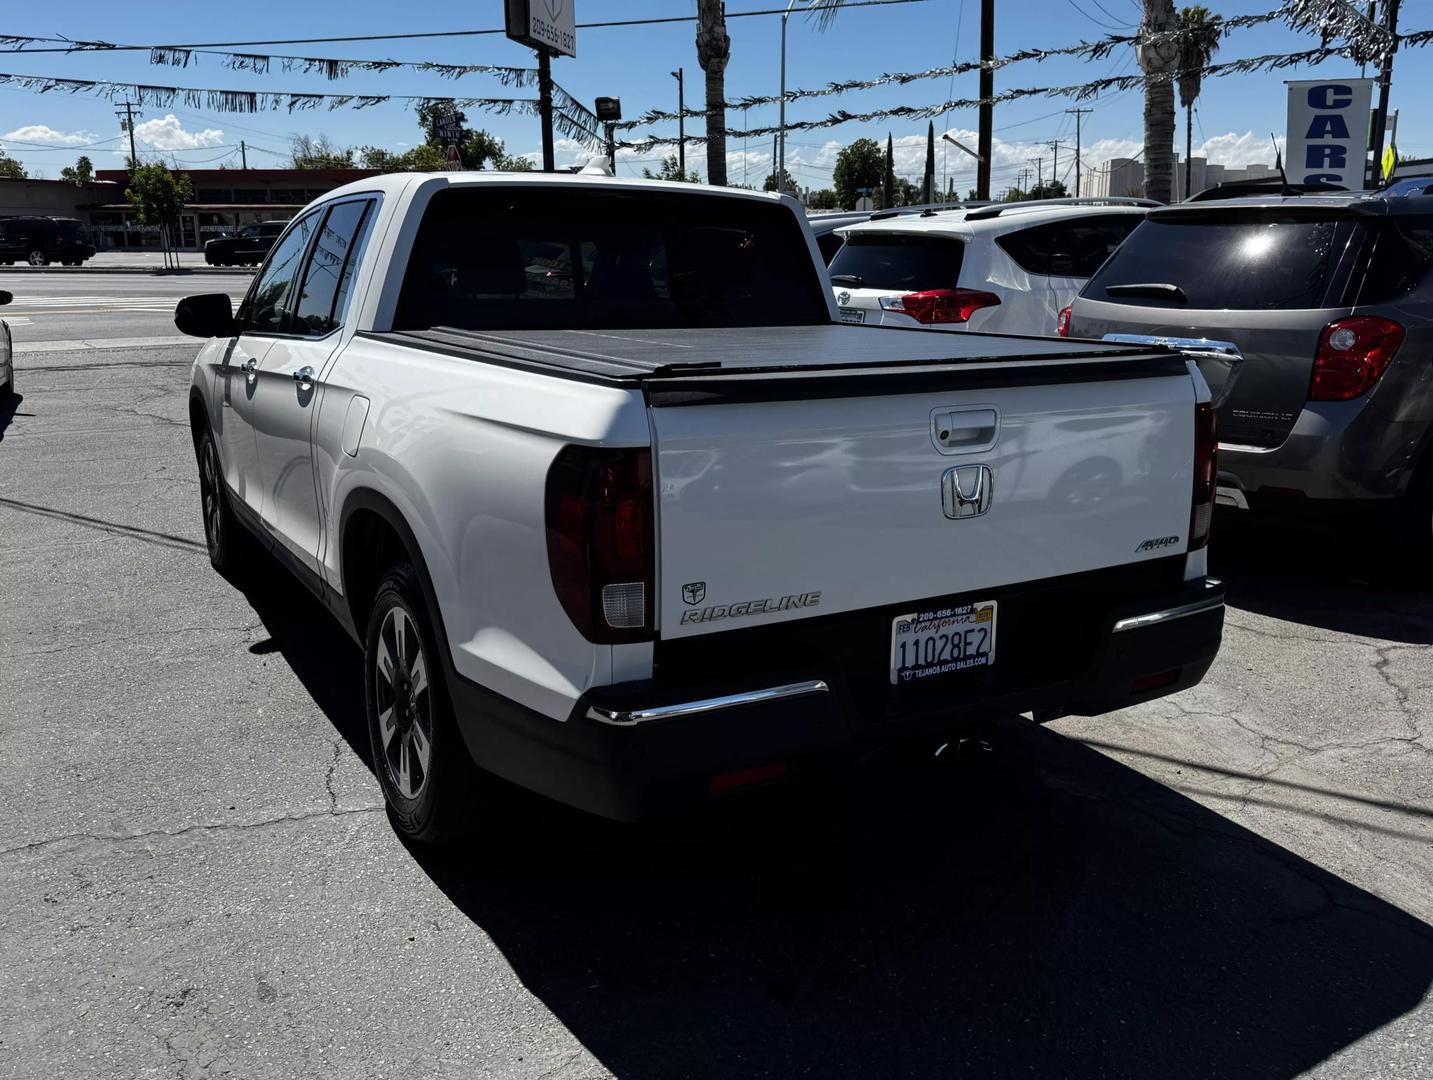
(1038, 204)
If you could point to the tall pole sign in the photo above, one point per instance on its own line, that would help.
(550, 27)
(1328, 131)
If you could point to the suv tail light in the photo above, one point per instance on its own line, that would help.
(1352, 356)
(940, 305)
(600, 541)
(1062, 324)
(1206, 472)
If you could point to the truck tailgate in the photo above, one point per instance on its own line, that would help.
(777, 506)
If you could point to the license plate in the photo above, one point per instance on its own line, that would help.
(930, 643)
(852, 315)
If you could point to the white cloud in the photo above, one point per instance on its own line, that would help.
(43, 133)
(170, 134)
(1237, 150)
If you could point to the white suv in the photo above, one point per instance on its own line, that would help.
(1007, 268)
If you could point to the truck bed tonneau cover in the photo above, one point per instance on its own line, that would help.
(637, 357)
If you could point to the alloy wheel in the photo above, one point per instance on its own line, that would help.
(212, 497)
(404, 704)
(37, 258)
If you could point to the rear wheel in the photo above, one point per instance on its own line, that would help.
(418, 753)
(37, 258)
(1418, 511)
(229, 549)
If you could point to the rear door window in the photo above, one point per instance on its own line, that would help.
(898, 261)
(1073, 248)
(1401, 258)
(1235, 260)
(331, 267)
(495, 257)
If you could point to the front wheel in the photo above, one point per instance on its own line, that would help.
(37, 258)
(418, 754)
(229, 551)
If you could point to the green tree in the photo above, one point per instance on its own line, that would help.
(306, 152)
(1050, 189)
(1201, 34)
(713, 52)
(478, 149)
(888, 182)
(81, 172)
(907, 194)
(158, 195)
(930, 162)
(671, 169)
(10, 169)
(858, 166)
(769, 184)
(1158, 55)
(825, 199)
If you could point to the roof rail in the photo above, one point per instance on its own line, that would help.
(1037, 204)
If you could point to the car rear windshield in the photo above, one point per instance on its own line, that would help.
(901, 263)
(72, 230)
(534, 258)
(1235, 261)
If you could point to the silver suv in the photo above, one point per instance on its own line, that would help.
(1320, 308)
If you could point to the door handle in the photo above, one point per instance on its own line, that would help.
(250, 368)
(304, 376)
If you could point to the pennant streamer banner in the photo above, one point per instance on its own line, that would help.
(570, 116)
(1078, 91)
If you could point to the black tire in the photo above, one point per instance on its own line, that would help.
(230, 548)
(1418, 512)
(428, 805)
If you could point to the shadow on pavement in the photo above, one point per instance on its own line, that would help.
(1039, 910)
(1331, 580)
(9, 407)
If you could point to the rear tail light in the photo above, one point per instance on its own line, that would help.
(1352, 356)
(1062, 325)
(600, 541)
(940, 305)
(1206, 471)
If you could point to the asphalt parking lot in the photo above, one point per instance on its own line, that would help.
(197, 878)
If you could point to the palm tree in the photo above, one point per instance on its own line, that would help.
(1199, 38)
(1158, 56)
(713, 51)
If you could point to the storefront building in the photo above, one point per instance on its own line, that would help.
(224, 201)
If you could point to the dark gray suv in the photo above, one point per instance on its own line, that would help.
(1326, 304)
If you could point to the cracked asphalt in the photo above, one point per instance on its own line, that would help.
(197, 878)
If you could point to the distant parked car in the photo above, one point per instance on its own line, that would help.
(1315, 312)
(248, 248)
(7, 354)
(40, 241)
(1003, 268)
(826, 223)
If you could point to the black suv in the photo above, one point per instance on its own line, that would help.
(1312, 319)
(246, 249)
(40, 241)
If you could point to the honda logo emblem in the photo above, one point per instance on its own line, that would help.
(966, 491)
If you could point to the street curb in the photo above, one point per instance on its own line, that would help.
(156, 272)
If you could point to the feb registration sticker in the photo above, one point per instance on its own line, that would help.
(932, 643)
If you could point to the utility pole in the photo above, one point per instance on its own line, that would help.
(987, 91)
(1078, 115)
(1039, 164)
(680, 76)
(544, 108)
(243, 154)
(1054, 145)
(1385, 78)
(127, 122)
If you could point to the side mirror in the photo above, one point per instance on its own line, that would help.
(208, 315)
(5, 297)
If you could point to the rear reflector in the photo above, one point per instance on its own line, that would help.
(1154, 682)
(746, 777)
(1062, 324)
(940, 305)
(1352, 356)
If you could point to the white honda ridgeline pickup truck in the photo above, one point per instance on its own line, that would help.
(618, 510)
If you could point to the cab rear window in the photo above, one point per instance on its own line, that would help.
(532, 258)
(1240, 262)
(904, 263)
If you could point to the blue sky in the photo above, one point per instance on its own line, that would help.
(1235, 115)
